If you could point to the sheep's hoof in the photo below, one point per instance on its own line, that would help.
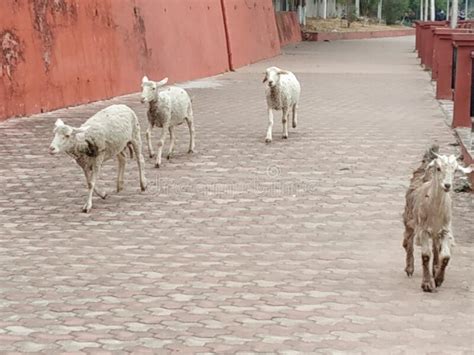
(190, 151)
(169, 157)
(285, 136)
(294, 124)
(152, 155)
(119, 189)
(157, 165)
(439, 281)
(143, 187)
(86, 209)
(268, 140)
(409, 271)
(427, 286)
(104, 196)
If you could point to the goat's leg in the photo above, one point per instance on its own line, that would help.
(137, 147)
(284, 121)
(445, 256)
(161, 143)
(148, 141)
(436, 248)
(427, 282)
(268, 138)
(190, 122)
(295, 118)
(408, 245)
(122, 161)
(172, 141)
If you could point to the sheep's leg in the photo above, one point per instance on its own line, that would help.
(445, 255)
(436, 246)
(295, 118)
(161, 143)
(148, 141)
(122, 161)
(284, 120)
(268, 139)
(408, 245)
(101, 194)
(172, 141)
(137, 147)
(91, 180)
(427, 283)
(190, 122)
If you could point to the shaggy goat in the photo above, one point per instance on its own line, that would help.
(427, 215)
(167, 109)
(105, 135)
(283, 93)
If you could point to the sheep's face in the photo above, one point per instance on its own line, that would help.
(444, 167)
(272, 77)
(149, 89)
(65, 137)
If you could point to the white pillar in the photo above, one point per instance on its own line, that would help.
(379, 11)
(433, 10)
(325, 9)
(447, 10)
(454, 16)
(426, 10)
(422, 17)
(357, 6)
(466, 9)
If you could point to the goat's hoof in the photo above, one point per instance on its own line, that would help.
(285, 136)
(427, 286)
(439, 281)
(268, 140)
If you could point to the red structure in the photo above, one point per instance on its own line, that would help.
(67, 52)
(288, 27)
(464, 44)
(426, 41)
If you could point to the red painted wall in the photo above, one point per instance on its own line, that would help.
(252, 31)
(65, 52)
(289, 30)
(58, 53)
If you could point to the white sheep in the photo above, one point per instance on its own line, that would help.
(427, 216)
(105, 135)
(167, 109)
(283, 92)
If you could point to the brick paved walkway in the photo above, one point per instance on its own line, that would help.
(293, 246)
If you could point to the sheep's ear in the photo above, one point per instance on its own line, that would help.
(265, 78)
(162, 82)
(467, 170)
(144, 79)
(80, 133)
(59, 122)
(281, 71)
(430, 165)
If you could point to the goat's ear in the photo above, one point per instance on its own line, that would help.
(59, 122)
(467, 170)
(145, 79)
(162, 82)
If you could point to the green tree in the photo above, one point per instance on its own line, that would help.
(394, 10)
